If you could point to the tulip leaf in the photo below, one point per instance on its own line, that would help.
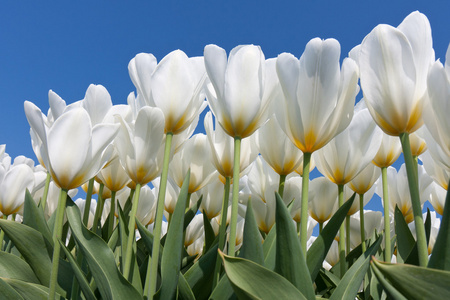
(191, 212)
(351, 281)
(405, 239)
(290, 260)
(82, 281)
(389, 289)
(33, 216)
(30, 290)
(200, 275)
(13, 267)
(253, 281)
(440, 257)
(184, 290)
(319, 249)
(171, 256)
(8, 292)
(209, 233)
(415, 282)
(269, 247)
(100, 258)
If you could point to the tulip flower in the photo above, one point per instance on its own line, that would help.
(394, 64)
(373, 223)
(239, 96)
(441, 176)
(434, 229)
(319, 99)
(323, 195)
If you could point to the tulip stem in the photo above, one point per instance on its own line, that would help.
(98, 209)
(46, 188)
(2, 233)
(361, 222)
(415, 199)
(320, 228)
(222, 230)
(57, 231)
(387, 219)
(131, 226)
(112, 214)
(304, 206)
(150, 284)
(87, 206)
(235, 196)
(281, 185)
(342, 262)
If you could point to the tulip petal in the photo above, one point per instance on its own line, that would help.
(140, 69)
(216, 65)
(97, 103)
(13, 186)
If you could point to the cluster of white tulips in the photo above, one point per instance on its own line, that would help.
(271, 122)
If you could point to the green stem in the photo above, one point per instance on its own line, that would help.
(112, 213)
(281, 185)
(222, 230)
(99, 208)
(188, 201)
(342, 263)
(235, 196)
(361, 222)
(347, 235)
(46, 188)
(57, 231)
(152, 268)
(387, 219)
(415, 200)
(320, 228)
(304, 206)
(2, 233)
(87, 205)
(131, 227)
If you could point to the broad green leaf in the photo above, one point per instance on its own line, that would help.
(349, 285)
(33, 216)
(440, 256)
(7, 292)
(101, 261)
(171, 256)
(391, 291)
(252, 281)
(269, 241)
(13, 267)
(416, 282)
(184, 290)
(191, 212)
(200, 275)
(290, 260)
(82, 281)
(209, 233)
(319, 249)
(30, 290)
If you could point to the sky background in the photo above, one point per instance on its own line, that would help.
(65, 46)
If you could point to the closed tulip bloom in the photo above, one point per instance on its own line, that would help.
(323, 199)
(373, 222)
(434, 229)
(435, 169)
(277, 149)
(436, 114)
(240, 91)
(72, 150)
(437, 197)
(113, 175)
(350, 151)
(389, 151)
(418, 144)
(394, 63)
(365, 180)
(140, 145)
(212, 198)
(222, 148)
(196, 156)
(319, 96)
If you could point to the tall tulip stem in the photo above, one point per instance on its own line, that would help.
(150, 285)
(281, 185)
(57, 232)
(387, 220)
(342, 262)
(131, 226)
(112, 213)
(361, 222)
(222, 229)
(87, 206)
(235, 196)
(99, 208)
(413, 183)
(2, 234)
(304, 206)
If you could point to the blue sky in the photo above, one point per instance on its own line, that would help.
(65, 46)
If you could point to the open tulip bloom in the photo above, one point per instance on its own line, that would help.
(268, 119)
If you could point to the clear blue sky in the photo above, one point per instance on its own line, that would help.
(67, 45)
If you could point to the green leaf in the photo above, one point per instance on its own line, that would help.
(30, 290)
(269, 248)
(390, 290)
(440, 256)
(209, 233)
(290, 260)
(319, 249)
(84, 284)
(13, 267)
(192, 211)
(349, 285)
(184, 290)
(33, 216)
(171, 257)
(101, 261)
(415, 282)
(252, 281)
(8, 292)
